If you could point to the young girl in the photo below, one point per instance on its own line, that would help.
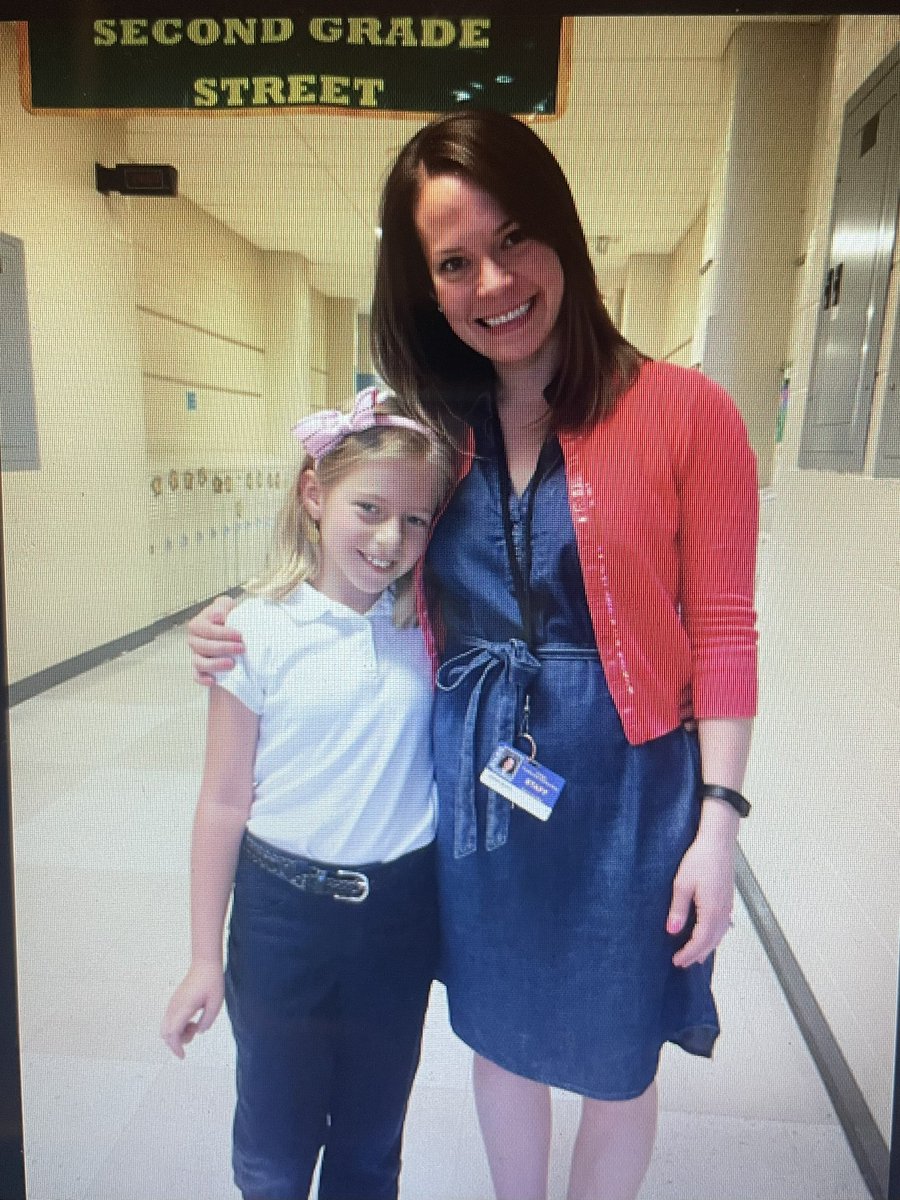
(317, 806)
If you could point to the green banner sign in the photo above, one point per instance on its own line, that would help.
(514, 63)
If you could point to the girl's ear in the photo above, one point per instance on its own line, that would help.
(309, 493)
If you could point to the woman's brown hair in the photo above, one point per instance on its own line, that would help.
(414, 348)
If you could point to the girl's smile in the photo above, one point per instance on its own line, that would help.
(499, 289)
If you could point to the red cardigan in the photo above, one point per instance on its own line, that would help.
(664, 502)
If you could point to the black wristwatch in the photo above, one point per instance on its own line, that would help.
(715, 791)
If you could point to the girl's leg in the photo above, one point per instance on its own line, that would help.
(278, 993)
(613, 1147)
(374, 1072)
(514, 1114)
(389, 946)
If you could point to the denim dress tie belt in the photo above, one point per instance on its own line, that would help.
(518, 668)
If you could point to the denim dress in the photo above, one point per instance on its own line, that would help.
(555, 954)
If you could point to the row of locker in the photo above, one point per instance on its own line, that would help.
(211, 528)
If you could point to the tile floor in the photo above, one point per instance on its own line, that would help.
(105, 772)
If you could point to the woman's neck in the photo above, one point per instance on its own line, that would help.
(520, 393)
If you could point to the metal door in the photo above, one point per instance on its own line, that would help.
(20, 446)
(864, 220)
(887, 454)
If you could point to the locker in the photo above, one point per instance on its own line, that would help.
(156, 529)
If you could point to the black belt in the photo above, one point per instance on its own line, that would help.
(350, 884)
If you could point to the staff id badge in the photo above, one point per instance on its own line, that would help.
(523, 781)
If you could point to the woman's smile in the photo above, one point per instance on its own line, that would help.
(508, 317)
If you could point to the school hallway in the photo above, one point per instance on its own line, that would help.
(105, 774)
(738, 181)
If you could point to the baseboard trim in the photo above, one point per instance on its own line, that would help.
(860, 1127)
(69, 668)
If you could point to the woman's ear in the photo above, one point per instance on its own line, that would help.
(309, 493)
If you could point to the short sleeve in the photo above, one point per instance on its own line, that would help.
(245, 679)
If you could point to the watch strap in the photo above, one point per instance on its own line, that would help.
(716, 791)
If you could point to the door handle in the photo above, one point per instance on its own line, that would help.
(836, 285)
(826, 291)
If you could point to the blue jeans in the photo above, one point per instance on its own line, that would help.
(326, 1000)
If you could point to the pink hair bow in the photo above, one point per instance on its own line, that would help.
(321, 432)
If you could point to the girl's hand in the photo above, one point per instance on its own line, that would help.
(213, 644)
(705, 879)
(201, 991)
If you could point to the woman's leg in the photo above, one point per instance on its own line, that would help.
(514, 1114)
(613, 1147)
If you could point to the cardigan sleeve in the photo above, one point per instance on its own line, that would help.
(718, 523)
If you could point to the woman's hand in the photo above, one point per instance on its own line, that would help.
(705, 879)
(213, 644)
(201, 991)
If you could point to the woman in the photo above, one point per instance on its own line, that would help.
(588, 597)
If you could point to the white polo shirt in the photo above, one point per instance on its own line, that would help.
(343, 770)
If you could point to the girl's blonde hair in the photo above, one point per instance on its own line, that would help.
(297, 550)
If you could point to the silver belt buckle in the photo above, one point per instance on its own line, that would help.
(358, 878)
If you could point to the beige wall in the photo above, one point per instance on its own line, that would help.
(203, 310)
(288, 363)
(659, 299)
(364, 354)
(825, 835)
(75, 532)
(341, 334)
(644, 304)
(134, 304)
(203, 329)
(681, 303)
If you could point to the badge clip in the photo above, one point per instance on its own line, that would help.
(522, 780)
